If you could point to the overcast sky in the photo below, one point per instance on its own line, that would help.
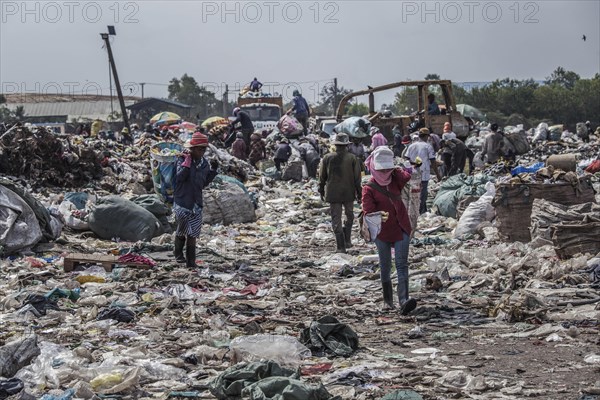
(56, 46)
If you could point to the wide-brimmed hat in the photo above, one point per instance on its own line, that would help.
(405, 139)
(341, 139)
(383, 158)
(423, 131)
(197, 140)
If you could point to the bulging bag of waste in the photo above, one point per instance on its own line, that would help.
(228, 204)
(518, 139)
(541, 132)
(289, 126)
(285, 350)
(354, 126)
(115, 217)
(293, 171)
(154, 204)
(477, 212)
(555, 132)
(163, 158)
(19, 227)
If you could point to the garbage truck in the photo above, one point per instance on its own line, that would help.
(264, 111)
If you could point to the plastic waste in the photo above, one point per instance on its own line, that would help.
(64, 294)
(521, 169)
(592, 359)
(39, 304)
(94, 274)
(283, 349)
(17, 354)
(118, 314)
(67, 395)
(9, 387)
(477, 212)
(105, 381)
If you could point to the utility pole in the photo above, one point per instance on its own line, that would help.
(226, 100)
(335, 91)
(142, 85)
(111, 31)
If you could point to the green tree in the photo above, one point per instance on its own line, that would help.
(405, 101)
(19, 113)
(187, 91)
(329, 98)
(562, 77)
(432, 77)
(358, 109)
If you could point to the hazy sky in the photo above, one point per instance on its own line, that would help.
(56, 46)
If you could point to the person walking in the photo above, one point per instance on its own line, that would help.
(193, 174)
(384, 193)
(424, 151)
(339, 185)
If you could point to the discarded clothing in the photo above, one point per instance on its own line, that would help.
(9, 387)
(118, 314)
(41, 304)
(327, 334)
(231, 382)
(282, 388)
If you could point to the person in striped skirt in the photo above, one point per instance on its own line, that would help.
(193, 174)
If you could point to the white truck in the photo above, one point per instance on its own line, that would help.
(264, 111)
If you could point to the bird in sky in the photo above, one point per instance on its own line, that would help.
(584, 38)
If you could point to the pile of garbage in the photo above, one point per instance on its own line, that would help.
(94, 309)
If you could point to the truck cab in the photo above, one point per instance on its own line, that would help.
(264, 111)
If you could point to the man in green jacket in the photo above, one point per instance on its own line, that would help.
(339, 185)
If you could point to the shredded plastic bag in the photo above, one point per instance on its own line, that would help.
(282, 349)
(354, 126)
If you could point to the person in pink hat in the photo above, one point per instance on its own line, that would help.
(383, 192)
(193, 174)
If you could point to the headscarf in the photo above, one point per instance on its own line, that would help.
(382, 177)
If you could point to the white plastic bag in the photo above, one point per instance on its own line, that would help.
(477, 212)
(285, 350)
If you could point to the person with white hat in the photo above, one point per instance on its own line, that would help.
(339, 185)
(193, 174)
(384, 193)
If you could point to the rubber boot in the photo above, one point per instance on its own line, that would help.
(407, 304)
(388, 295)
(190, 253)
(347, 236)
(178, 249)
(341, 243)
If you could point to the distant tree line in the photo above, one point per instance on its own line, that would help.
(564, 98)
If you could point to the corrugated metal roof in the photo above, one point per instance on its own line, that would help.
(73, 110)
(150, 100)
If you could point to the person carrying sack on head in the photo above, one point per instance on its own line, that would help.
(192, 175)
(384, 193)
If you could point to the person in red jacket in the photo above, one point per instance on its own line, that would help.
(383, 193)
